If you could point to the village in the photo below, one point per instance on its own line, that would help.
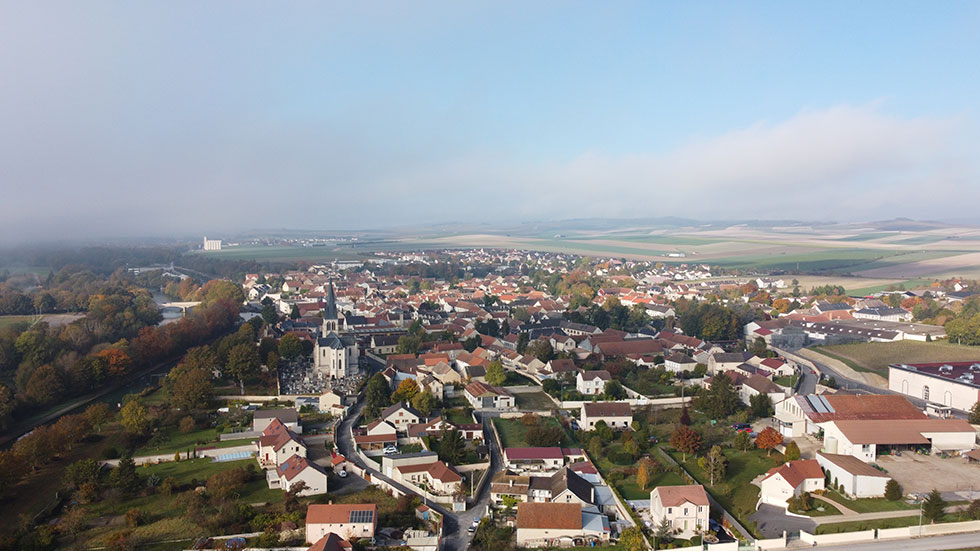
(499, 406)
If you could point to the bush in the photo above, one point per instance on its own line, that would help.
(792, 452)
(110, 452)
(134, 517)
(973, 511)
(893, 491)
(186, 425)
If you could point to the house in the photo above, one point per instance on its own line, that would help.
(866, 439)
(401, 416)
(686, 508)
(331, 402)
(484, 396)
(508, 483)
(884, 313)
(591, 383)
(726, 361)
(351, 522)
(277, 444)
(331, 542)
(858, 478)
(539, 459)
(554, 524)
(677, 362)
(438, 477)
(617, 415)
(288, 417)
(298, 469)
(790, 480)
(565, 486)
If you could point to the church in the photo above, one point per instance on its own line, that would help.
(335, 352)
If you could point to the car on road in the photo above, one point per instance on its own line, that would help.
(342, 474)
(390, 449)
(742, 427)
(473, 526)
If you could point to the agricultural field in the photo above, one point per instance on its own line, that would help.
(875, 356)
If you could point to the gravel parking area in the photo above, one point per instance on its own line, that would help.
(921, 473)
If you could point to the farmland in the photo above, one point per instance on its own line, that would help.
(875, 356)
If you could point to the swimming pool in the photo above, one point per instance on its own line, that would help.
(236, 456)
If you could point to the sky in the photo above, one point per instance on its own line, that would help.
(132, 119)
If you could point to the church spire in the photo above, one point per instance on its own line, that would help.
(330, 310)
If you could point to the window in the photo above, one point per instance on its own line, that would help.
(668, 510)
(925, 393)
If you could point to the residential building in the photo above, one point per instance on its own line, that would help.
(540, 459)
(789, 480)
(686, 508)
(554, 524)
(352, 522)
(484, 396)
(591, 383)
(401, 416)
(277, 444)
(289, 417)
(295, 470)
(617, 415)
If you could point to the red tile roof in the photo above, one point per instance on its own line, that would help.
(795, 472)
(337, 514)
(555, 516)
(672, 496)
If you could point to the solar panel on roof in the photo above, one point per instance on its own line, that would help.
(361, 516)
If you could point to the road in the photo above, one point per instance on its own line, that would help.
(455, 536)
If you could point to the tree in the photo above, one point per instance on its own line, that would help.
(973, 511)
(792, 451)
(294, 313)
(269, 314)
(190, 388)
(893, 491)
(685, 417)
(685, 440)
(631, 539)
(495, 373)
(544, 436)
(541, 349)
(522, 341)
(716, 464)
(424, 402)
(98, 414)
(664, 531)
(760, 405)
(124, 476)
(975, 414)
(290, 347)
(72, 522)
(117, 362)
(742, 441)
(410, 344)
(377, 395)
(6, 405)
(643, 472)
(614, 390)
(243, 363)
(406, 390)
(80, 472)
(768, 439)
(759, 347)
(186, 424)
(135, 420)
(471, 343)
(934, 507)
(604, 431)
(721, 400)
(451, 447)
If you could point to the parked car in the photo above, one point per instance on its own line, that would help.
(390, 449)
(740, 427)
(342, 474)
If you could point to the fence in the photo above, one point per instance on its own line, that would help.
(772, 543)
(846, 537)
(668, 402)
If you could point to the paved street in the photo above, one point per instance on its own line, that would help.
(456, 538)
(958, 541)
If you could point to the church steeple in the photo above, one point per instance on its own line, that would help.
(330, 318)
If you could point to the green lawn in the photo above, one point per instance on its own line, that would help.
(10, 321)
(631, 490)
(512, 432)
(876, 356)
(735, 493)
(820, 509)
(534, 401)
(786, 380)
(191, 469)
(516, 379)
(458, 416)
(179, 441)
(859, 525)
(869, 505)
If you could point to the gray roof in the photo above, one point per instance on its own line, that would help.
(330, 308)
(284, 415)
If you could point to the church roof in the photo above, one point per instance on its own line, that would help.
(330, 309)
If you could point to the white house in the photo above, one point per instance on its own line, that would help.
(686, 508)
(678, 362)
(277, 444)
(351, 522)
(790, 480)
(617, 415)
(298, 469)
(484, 396)
(401, 416)
(857, 477)
(289, 417)
(591, 383)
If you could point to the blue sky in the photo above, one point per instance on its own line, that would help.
(237, 115)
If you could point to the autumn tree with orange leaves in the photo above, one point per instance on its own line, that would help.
(768, 439)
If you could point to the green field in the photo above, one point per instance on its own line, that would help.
(512, 432)
(876, 356)
(10, 321)
(908, 284)
(179, 441)
(535, 401)
(859, 525)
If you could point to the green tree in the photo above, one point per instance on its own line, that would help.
(664, 531)
(190, 388)
(717, 463)
(759, 347)
(760, 406)
(243, 363)
(410, 344)
(290, 347)
(934, 507)
(135, 420)
(522, 341)
(975, 414)
(98, 414)
(425, 402)
(973, 511)
(792, 451)
(631, 539)
(893, 491)
(294, 313)
(742, 441)
(452, 448)
(269, 314)
(6, 406)
(124, 476)
(614, 390)
(495, 373)
(377, 395)
(721, 400)
(80, 472)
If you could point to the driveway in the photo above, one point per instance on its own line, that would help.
(772, 521)
(919, 474)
